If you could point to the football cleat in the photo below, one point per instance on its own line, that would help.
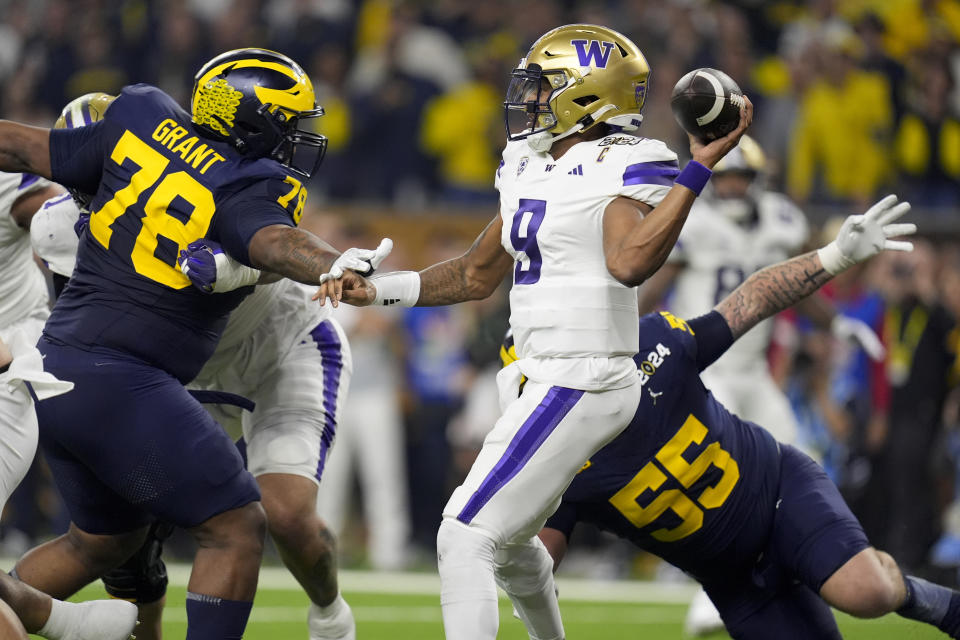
(255, 99)
(573, 78)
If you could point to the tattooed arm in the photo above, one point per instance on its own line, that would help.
(777, 287)
(771, 290)
(291, 252)
(472, 276)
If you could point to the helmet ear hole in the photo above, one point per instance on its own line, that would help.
(584, 101)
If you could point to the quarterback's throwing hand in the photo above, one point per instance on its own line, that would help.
(709, 154)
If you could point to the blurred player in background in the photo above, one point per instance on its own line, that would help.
(588, 210)
(758, 523)
(737, 228)
(129, 444)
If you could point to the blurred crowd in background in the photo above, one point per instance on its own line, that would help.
(854, 98)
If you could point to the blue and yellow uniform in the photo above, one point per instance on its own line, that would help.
(129, 330)
(757, 523)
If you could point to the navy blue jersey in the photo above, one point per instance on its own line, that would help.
(686, 480)
(158, 185)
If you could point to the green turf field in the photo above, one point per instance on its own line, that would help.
(280, 612)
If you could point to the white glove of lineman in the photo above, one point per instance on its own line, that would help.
(864, 236)
(362, 261)
(847, 328)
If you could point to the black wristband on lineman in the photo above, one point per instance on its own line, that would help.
(5, 367)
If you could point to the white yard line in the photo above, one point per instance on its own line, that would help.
(429, 584)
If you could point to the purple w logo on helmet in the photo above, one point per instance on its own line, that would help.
(593, 53)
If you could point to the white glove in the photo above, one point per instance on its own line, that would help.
(864, 236)
(847, 328)
(362, 261)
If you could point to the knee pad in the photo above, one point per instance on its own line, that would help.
(142, 579)
(523, 569)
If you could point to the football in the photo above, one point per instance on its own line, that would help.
(707, 103)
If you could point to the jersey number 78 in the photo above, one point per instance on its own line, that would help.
(157, 222)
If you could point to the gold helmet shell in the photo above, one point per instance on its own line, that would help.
(573, 78)
(746, 157)
(86, 109)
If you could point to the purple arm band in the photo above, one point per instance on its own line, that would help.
(694, 176)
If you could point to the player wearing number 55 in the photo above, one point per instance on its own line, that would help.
(588, 210)
(129, 445)
(757, 522)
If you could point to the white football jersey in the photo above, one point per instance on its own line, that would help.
(23, 289)
(719, 254)
(573, 323)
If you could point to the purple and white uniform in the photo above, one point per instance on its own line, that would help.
(287, 354)
(575, 328)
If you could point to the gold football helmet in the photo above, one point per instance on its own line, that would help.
(84, 110)
(746, 157)
(573, 78)
(738, 181)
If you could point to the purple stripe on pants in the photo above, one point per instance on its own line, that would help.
(535, 430)
(328, 342)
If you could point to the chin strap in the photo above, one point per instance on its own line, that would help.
(541, 142)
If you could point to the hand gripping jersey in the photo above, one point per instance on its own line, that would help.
(159, 185)
(574, 324)
(720, 254)
(22, 287)
(687, 480)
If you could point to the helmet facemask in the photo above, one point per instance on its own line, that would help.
(527, 108)
(299, 150)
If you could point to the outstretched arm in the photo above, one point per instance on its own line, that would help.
(771, 290)
(24, 149)
(777, 287)
(472, 276)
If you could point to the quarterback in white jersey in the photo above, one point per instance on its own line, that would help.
(587, 212)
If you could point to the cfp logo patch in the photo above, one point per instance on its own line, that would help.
(523, 165)
(593, 53)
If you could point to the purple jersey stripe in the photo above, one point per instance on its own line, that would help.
(555, 405)
(661, 172)
(666, 181)
(328, 342)
(27, 179)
